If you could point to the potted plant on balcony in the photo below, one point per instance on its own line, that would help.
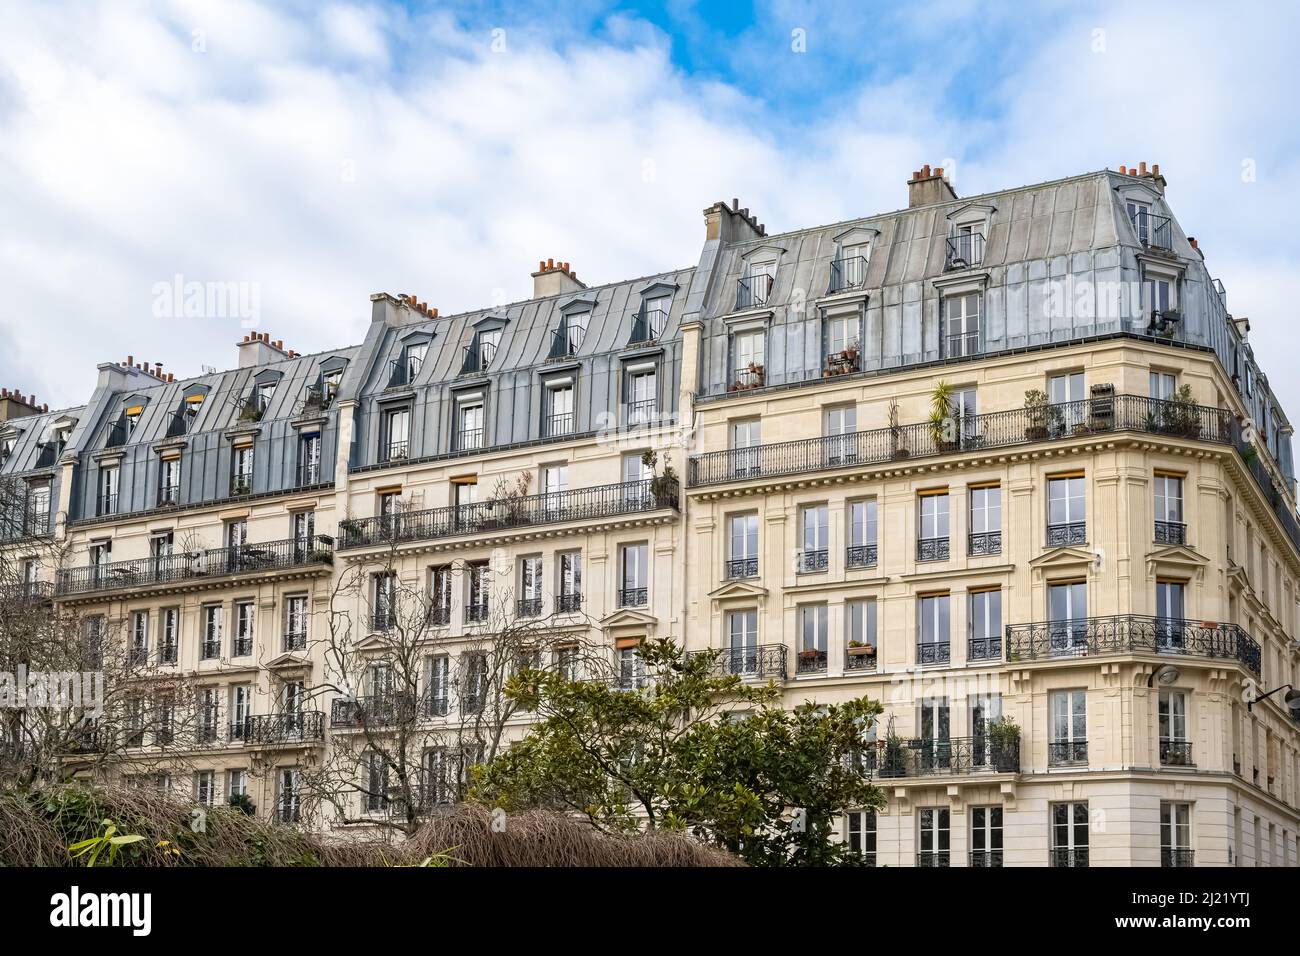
(664, 485)
(1004, 744)
(894, 762)
(859, 649)
(1037, 409)
(897, 438)
(1184, 416)
(942, 420)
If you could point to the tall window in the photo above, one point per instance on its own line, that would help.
(169, 647)
(1069, 716)
(414, 354)
(559, 414)
(243, 643)
(204, 783)
(288, 806)
(241, 709)
(749, 359)
(932, 836)
(1069, 834)
(1066, 515)
(812, 638)
(932, 543)
(631, 667)
(841, 333)
(814, 538)
(1175, 748)
(375, 799)
(933, 622)
(986, 836)
(860, 829)
(1067, 614)
(241, 481)
(985, 625)
(295, 622)
(1163, 385)
(742, 556)
(575, 330)
(746, 436)
(383, 600)
(530, 586)
(469, 425)
(1066, 392)
(963, 324)
(863, 549)
(139, 638)
(108, 488)
(642, 396)
(570, 600)
(480, 591)
(309, 459)
(169, 481)
(634, 575)
(438, 682)
(440, 595)
(756, 284)
(985, 709)
(742, 631)
(839, 426)
(1175, 834)
(1169, 509)
(212, 622)
(37, 518)
(397, 434)
(985, 521)
(860, 625)
(1170, 615)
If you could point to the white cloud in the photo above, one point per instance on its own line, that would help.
(340, 152)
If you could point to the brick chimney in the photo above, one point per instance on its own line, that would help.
(258, 349)
(13, 404)
(552, 278)
(929, 186)
(1151, 175)
(731, 223)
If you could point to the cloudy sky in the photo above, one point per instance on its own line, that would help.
(315, 153)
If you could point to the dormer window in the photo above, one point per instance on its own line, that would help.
(330, 382)
(756, 284)
(567, 339)
(962, 322)
(131, 417)
(6, 448)
(843, 351)
(849, 270)
(655, 317)
(967, 228)
(414, 358)
(481, 350)
(749, 359)
(186, 415)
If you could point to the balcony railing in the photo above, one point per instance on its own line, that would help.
(241, 483)
(961, 344)
(642, 412)
(478, 357)
(26, 592)
(1070, 533)
(295, 641)
(582, 504)
(986, 859)
(1075, 856)
(647, 326)
(810, 661)
(848, 273)
(169, 495)
(568, 603)
(923, 757)
(1170, 532)
(243, 646)
(934, 652)
(753, 291)
(23, 523)
(1176, 856)
(633, 597)
(1129, 634)
(860, 658)
(469, 439)
(439, 615)
(561, 423)
(395, 451)
(812, 560)
(563, 344)
(964, 250)
(528, 607)
(932, 549)
(106, 504)
(861, 556)
(1153, 231)
(984, 648)
(1017, 426)
(761, 662)
(1176, 753)
(281, 728)
(213, 563)
(741, 568)
(933, 858)
(984, 543)
(1067, 753)
(477, 613)
(379, 710)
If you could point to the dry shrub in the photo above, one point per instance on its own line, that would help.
(37, 826)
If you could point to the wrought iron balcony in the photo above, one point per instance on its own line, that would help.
(810, 661)
(195, 565)
(379, 710)
(568, 603)
(1176, 753)
(477, 612)
(633, 597)
(560, 423)
(210, 650)
(309, 473)
(1176, 857)
(986, 859)
(760, 662)
(1075, 856)
(469, 439)
(439, 615)
(741, 568)
(984, 648)
(960, 345)
(528, 607)
(935, 858)
(478, 357)
(642, 412)
(861, 556)
(1132, 634)
(294, 641)
(933, 652)
(848, 273)
(243, 646)
(648, 325)
(169, 495)
(1153, 231)
(964, 250)
(282, 728)
(1067, 753)
(808, 561)
(563, 345)
(932, 549)
(395, 451)
(1017, 426)
(106, 504)
(860, 658)
(241, 483)
(922, 757)
(1070, 533)
(23, 523)
(26, 593)
(1170, 532)
(582, 504)
(983, 543)
(753, 291)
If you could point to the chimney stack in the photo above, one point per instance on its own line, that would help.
(927, 187)
(14, 405)
(731, 223)
(554, 278)
(258, 349)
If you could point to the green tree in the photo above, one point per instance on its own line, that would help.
(690, 750)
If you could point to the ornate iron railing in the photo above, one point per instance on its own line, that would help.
(381, 710)
(1176, 753)
(1176, 856)
(932, 549)
(633, 597)
(1131, 633)
(848, 273)
(922, 757)
(742, 568)
(984, 648)
(283, 728)
(861, 658)
(569, 603)
(1070, 533)
(810, 661)
(935, 858)
(582, 504)
(528, 607)
(861, 556)
(807, 560)
(933, 652)
(983, 543)
(1017, 426)
(1067, 753)
(986, 859)
(213, 563)
(964, 250)
(761, 662)
(1170, 532)
(1075, 856)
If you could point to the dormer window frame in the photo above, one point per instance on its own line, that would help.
(650, 323)
(852, 259)
(575, 319)
(484, 344)
(968, 229)
(1151, 229)
(757, 282)
(413, 351)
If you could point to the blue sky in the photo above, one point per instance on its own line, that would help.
(321, 152)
